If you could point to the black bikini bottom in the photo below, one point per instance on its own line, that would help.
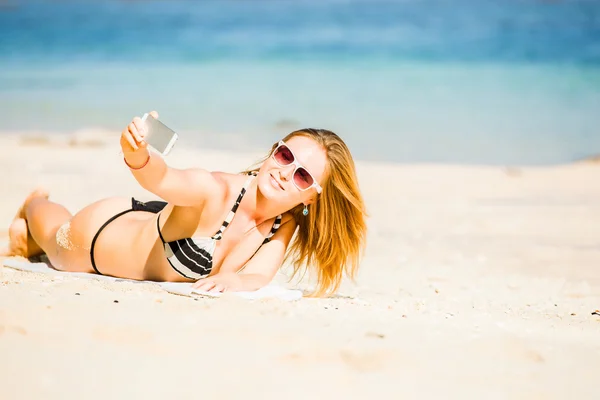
(152, 206)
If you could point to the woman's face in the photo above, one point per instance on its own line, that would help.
(276, 182)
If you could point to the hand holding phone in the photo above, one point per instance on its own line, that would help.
(145, 131)
(158, 135)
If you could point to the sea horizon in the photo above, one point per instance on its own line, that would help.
(509, 83)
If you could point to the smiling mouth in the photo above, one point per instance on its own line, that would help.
(275, 183)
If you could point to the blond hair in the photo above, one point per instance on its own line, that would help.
(331, 238)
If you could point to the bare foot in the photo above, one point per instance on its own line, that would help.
(21, 243)
(18, 238)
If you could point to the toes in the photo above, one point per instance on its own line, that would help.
(40, 192)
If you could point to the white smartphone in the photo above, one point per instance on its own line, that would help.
(159, 136)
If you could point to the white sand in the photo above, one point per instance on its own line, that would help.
(478, 282)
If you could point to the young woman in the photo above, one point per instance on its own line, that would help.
(226, 232)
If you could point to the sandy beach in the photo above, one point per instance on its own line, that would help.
(477, 282)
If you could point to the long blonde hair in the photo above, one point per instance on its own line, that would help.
(331, 238)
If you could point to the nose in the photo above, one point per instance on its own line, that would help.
(286, 172)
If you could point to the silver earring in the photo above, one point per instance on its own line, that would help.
(305, 211)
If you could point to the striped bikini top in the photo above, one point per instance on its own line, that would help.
(192, 257)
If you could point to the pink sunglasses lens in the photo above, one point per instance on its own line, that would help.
(283, 155)
(303, 179)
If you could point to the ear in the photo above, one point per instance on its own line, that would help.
(310, 201)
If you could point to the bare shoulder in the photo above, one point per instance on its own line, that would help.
(287, 227)
(288, 219)
(187, 187)
(221, 184)
(203, 180)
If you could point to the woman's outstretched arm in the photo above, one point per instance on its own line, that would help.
(185, 187)
(259, 270)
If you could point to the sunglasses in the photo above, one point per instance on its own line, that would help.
(302, 179)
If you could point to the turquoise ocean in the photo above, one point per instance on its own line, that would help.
(500, 82)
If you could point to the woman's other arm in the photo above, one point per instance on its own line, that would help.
(259, 271)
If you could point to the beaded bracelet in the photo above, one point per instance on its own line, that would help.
(143, 165)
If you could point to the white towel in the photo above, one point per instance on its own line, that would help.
(180, 288)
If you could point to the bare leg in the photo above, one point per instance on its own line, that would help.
(123, 250)
(33, 231)
(43, 220)
(21, 243)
